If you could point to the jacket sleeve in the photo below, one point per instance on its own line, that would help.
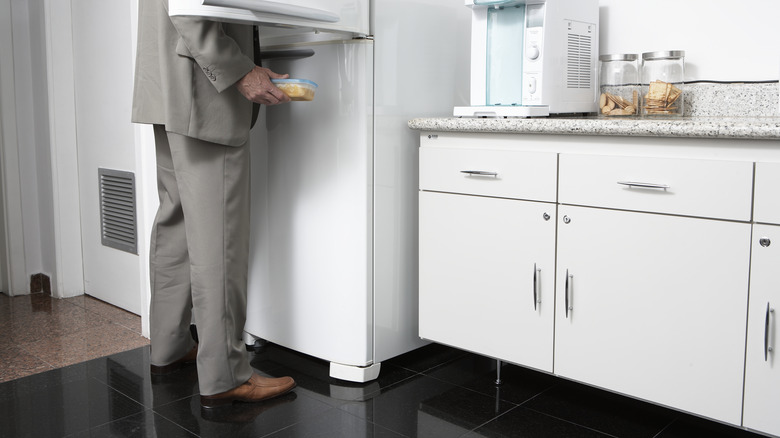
(218, 55)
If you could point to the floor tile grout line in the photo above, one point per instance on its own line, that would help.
(366, 396)
(172, 420)
(153, 412)
(663, 429)
(332, 408)
(376, 424)
(491, 420)
(114, 419)
(33, 354)
(568, 421)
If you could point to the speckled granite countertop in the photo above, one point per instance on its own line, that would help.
(737, 111)
(750, 128)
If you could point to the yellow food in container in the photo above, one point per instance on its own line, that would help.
(296, 89)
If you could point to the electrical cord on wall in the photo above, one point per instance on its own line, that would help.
(708, 81)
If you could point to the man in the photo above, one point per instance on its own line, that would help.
(196, 82)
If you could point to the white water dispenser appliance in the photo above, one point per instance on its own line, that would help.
(532, 58)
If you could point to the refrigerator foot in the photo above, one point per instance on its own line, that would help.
(253, 343)
(354, 373)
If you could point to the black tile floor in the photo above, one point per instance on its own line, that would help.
(431, 392)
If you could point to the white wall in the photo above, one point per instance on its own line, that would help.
(723, 40)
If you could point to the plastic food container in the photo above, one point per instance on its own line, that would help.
(663, 76)
(296, 89)
(619, 85)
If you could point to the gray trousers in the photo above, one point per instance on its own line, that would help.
(199, 258)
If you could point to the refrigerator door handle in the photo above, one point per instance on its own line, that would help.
(286, 54)
(270, 7)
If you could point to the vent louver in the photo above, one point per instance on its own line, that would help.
(117, 210)
(579, 69)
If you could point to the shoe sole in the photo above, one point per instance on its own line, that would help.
(211, 403)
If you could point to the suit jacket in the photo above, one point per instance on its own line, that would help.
(186, 70)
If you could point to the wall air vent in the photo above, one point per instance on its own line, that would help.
(579, 62)
(117, 210)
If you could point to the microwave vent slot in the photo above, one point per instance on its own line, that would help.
(579, 63)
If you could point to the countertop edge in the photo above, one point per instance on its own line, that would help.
(721, 128)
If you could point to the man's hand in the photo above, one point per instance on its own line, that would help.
(257, 87)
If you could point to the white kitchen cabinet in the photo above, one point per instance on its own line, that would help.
(652, 302)
(652, 261)
(762, 365)
(647, 310)
(487, 276)
(487, 252)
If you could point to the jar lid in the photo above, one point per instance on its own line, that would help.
(669, 54)
(619, 57)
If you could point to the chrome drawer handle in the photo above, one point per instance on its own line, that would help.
(767, 347)
(566, 292)
(537, 295)
(643, 185)
(479, 173)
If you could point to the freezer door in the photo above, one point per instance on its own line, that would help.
(310, 249)
(346, 16)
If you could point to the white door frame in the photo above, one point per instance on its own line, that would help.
(69, 277)
(146, 188)
(13, 229)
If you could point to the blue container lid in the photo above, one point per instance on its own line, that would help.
(294, 81)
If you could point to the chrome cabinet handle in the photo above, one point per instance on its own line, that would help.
(767, 347)
(566, 294)
(537, 295)
(643, 185)
(479, 173)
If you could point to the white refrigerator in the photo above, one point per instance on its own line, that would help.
(333, 263)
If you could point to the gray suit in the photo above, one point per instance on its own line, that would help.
(186, 71)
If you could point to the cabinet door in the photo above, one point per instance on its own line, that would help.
(481, 261)
(767, 193)
(656, 307)
(762, 373)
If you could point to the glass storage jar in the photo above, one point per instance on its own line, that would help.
(663, 76)
(619, 85)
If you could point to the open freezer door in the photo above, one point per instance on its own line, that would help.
(346, 16)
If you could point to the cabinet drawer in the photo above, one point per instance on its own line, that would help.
(702, 188)
(490, 172)
(767, 196)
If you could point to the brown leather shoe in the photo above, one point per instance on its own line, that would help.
(257, 388)
(176, 365)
